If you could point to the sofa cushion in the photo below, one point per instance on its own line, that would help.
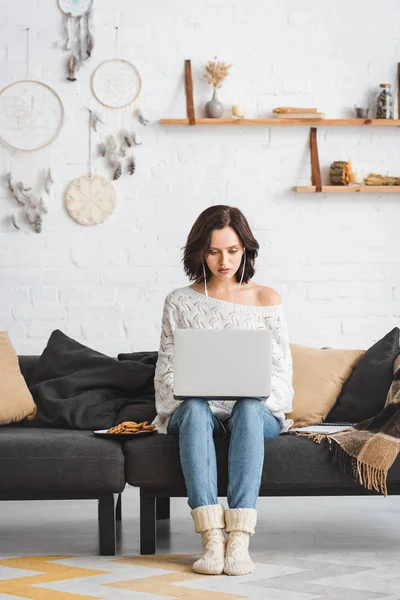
(77, 387)
(290, 462)
(16, 402)
(59, 460)
(364, 394)
(319, 375)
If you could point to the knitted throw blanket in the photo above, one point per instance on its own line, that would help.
(369, 448)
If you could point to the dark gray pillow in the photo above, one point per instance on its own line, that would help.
(364, 393)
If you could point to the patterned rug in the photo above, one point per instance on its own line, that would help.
(303, 576)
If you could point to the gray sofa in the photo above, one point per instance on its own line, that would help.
(45, 463)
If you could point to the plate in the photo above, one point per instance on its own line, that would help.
(104, 433)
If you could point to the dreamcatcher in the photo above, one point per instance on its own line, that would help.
(31, 118)
(117, 84)
(78, 33)
(90, 199)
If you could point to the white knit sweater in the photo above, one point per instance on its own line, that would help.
(183, 308)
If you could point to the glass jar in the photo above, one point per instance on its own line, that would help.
(384, 102)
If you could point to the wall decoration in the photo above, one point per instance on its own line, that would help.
(31, 113)
(216, 73)
(117, 83)
(32, 205)
(78, 33)
(115, 152)
(90, 199)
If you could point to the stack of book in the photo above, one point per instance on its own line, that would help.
(289, 112)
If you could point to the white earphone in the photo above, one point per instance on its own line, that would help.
(241, 278)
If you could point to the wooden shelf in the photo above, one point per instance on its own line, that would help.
(272, 121)
(349, 189)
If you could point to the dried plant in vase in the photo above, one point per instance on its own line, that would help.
(216, 73)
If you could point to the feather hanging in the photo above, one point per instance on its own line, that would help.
(20, 193)
(81, 53)
(32, 213)
(90, 21)
(42, 207)
(131, 165)
(14, 222)
(111, 144)
(71, 68)
(134, 140)
(48, 182)
(67, 34)
(37, 223)
(117, 172)
(126, 138)
(142, 119)
(9, 182)
(95, 120)
(89, 34)
(102, 149)
(113, 160)
(122, 150)
(89, 45)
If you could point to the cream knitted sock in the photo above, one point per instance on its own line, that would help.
(240, 524)
(209, 521)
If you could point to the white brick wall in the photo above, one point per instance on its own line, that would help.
(334, 259)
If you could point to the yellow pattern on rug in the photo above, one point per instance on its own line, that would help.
(179, 567)
(162, 585)
(22, 586)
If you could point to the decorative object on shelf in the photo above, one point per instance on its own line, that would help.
(375, 179)
(216, 73)
(384, 102)
(293, 109)
(32, 205)
(356, 177)
(309, 116)
(291, 112)
(339, 172)
(361, 113)
(31, 113)
(238, 111)
(78, 33)
(90, 199)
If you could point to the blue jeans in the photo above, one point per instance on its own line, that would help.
(249, 423)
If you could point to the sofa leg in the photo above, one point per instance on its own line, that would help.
(118, 508)
(147, 524)
(106, 512)
(162, 508)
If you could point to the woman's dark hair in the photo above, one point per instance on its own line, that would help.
(199, 239)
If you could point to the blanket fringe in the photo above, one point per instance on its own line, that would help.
(371, 478)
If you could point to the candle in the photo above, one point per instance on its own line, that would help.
(238, 110)
(356, 177)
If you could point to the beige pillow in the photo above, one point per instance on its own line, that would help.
(319, 375)
(16, 402)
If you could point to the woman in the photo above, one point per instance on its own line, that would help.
(219, 257)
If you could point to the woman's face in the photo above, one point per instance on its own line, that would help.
(226, 251)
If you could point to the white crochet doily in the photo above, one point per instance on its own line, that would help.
(90, 199)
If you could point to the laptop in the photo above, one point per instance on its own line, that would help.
(222, 363)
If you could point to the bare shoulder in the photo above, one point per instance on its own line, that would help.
(267, 296)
